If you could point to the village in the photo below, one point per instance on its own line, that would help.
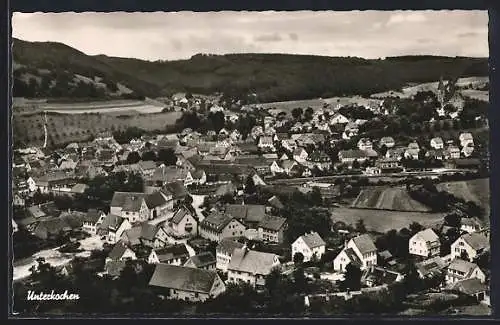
(243, 195)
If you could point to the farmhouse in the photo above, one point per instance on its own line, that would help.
(92, 221)
(112, 228)
(218, 226)
(459, 270)
(425, 243)
(251, 266)
(300, 155)
(272, 228)
(388, 142)
(184, 223)
(121, 252)
(130, 205)
(249, 214)
(437, 143)
(338, 118)
(431, 267)
(349, 156)
(471, 225)
(310, 245)
(187, 283)
(152, 236)
(472, 288)
(377, 276)
(471, 245)
(175, 255)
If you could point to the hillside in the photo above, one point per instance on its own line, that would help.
(273, 77)
(477, 191)
(388, 198)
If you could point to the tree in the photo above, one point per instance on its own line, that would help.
(297, 113)
(452, 220)
(250, 187)
(308, 114)
(167, 156)
(188, 200)
(217, 120)
(298, 258)
(415, 227)
(360, 226)
(133, 158)
(149, 156)
(352, 278)
(355, 164)
(315, 197)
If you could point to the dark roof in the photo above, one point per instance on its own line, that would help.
(183, 278)
(216, 221)
(155, 199)
(114, 268)
(180, 214)
(355, 154)
(203, 259)
(170, 252)
(380, 275)
(227, 246)
(476, 240)
(149, 231)
(470, 286)
(353, 257)
(176, 189)
(132, 235)
(246, 212)
(111, 221)
(272, 222)
(93, 215)
(254, 262)
(118, 250)
(128, 201)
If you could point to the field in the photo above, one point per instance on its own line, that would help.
(477, 190)
(388, 198)
(64, 128)
(383, 220)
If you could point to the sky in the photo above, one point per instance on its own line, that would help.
(180, 35)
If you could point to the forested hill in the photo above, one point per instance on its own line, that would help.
(273, 77)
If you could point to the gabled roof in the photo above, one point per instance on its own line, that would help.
(149, 231)
(431, 266)
(170, 252)
(155, 199)
(313, 239)
(246, 212)
(227, 246)
(180, 214)
(275, 202)
(93, 215)
(353, 154)
(476, 240)
(133, 235)
(118, 250)
(128, 201)
(462, 266)
(216, 221)
(427, 235)
(183, 278)
(202, 259)
(272, 223)
(114, 268)
(381, 275)
(351, 254)
(111, 221)
(469, 286)
(364, 243)
(250, 261)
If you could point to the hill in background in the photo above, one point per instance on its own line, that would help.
(48, 69)
(388, 198)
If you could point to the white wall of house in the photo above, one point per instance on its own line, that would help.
(461, 245)
(367, 259)
(341, 261)
(187, 226)
(299, 246)
(453, 276)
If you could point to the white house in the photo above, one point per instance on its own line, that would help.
(471, 225)
(300, 155)
(121, 252)
(266, 143)
(176, 254)
(289, 144)
(437, 143)
(388, 142)
(360, 251)
(467, 150)
(310, 244)
(338, 118)
(473, 244)
(184, 222)
(424, 243)
(465, 138)
(92, 221)
(112, 228)
(218, 226)
(251, 266)
(365, 144)
(459, 270)
(452, 152)
(130, 205)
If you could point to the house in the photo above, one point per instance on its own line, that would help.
(120, 252)
(130, 205)
(152, 236)
(388, 164)
(351, 129)
(218, 226)
(465, 139)
(184, 222)
(289, 144)
(251, 266)
(472, 245)
(266, 143)
(248, 214)
(300, 155)
(360, 250)
(15, 227)
(388, 142)
(338, 118)
(431, 267)
(132, 236)
(412, 151)
(436, 154)
(176, 254)
(425, 243)
(272, 228)
(472, 288)
(51, 228)
(310, 245)
(112, 228)
(159, 204)
(452, 152)
(147, 168)
(92, 221)
(467, 150)
(376, 276)
(275, 168)
(471, 225)
(224, 251)
(395, 153)
(437, 143)
(319, 159)
(186, 283)
(459, 270)
(289, 166)
(365, 144)
(205, 261)
(349, 156)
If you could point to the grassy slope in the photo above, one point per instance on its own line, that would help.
(388, 198)
(477, 190)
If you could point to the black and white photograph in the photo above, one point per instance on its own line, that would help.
(239, 164)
